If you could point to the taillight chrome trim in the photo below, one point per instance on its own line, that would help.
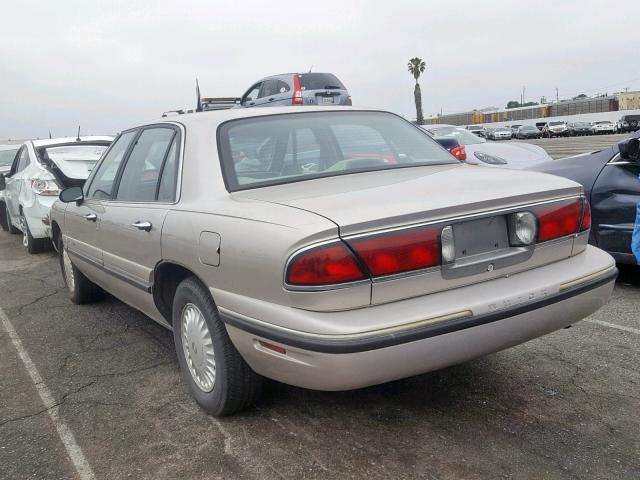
(439, 222)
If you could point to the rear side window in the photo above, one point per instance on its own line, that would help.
(101, 186)
(320, 81)
(167, 187)
(141, 174)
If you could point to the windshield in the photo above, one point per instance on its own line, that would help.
(502, 129)
(278, 149)
(553, 124)
(7, 156)
(87, 153)
(581, 124)
(464, 137)
(474, 127)
(529, 128)
(603, 123)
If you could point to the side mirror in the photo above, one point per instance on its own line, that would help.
(630, 150)
(3, 183)
(71, 194)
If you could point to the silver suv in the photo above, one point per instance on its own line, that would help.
(296, 89)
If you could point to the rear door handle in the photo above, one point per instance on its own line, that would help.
(92, 217)
(146, 226)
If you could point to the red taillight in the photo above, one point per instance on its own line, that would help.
(558, 219)
(459, 152)
(585, 224)
(297, 92)
(324, 266)
(399, 252)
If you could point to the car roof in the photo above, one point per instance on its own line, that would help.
(220, 116)
(64, 140)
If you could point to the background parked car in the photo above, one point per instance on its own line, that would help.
(514, 129)
(579, 128)
(40, 170)
(7, 155)
(499, 133)
(296, 89)
(603, 127)
(555, 128)
(453, 146)
(610, 180)
(528, 131)
(495, 154)
(478, 130)
(628, 123)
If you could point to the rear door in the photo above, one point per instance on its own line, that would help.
(132, 220)
(614, 201)
(275, 92)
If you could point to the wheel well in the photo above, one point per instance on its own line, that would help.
(55, 234)
(166, 279)
(3, 214)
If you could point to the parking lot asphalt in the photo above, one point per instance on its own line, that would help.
(560, 147)
(564, 406)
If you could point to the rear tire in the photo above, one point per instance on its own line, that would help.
(79, 287)
(219, 379)
(33, 245)
(7, 217)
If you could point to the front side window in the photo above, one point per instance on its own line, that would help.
(101, 186)
(277, 149)
(252, 94)
(141, 174)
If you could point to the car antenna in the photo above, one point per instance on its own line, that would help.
(49, 134)
(198, 100)
(78, 137)
(310, 69)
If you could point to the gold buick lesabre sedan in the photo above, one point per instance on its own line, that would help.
(329, 248)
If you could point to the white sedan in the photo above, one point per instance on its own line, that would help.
(480, 152)
(40, 169)
(603, 127)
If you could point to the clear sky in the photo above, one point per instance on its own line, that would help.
(110, 65)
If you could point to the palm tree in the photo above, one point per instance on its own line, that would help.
(416, 67)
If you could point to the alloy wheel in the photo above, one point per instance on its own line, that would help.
(25, 231)
(197, 346)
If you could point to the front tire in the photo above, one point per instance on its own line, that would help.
(218, 377)
(79, 287)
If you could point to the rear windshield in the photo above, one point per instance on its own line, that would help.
(277, 149)
(320, 81)
(529, 127)
(7, 156)
(87, 153)
(556, 123)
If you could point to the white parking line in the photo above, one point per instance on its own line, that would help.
(618, 327)
(73, 450)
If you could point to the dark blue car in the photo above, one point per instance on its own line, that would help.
(611, 181)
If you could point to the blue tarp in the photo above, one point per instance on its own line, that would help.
(635, 238)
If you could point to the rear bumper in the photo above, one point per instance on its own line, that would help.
(347, 361)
